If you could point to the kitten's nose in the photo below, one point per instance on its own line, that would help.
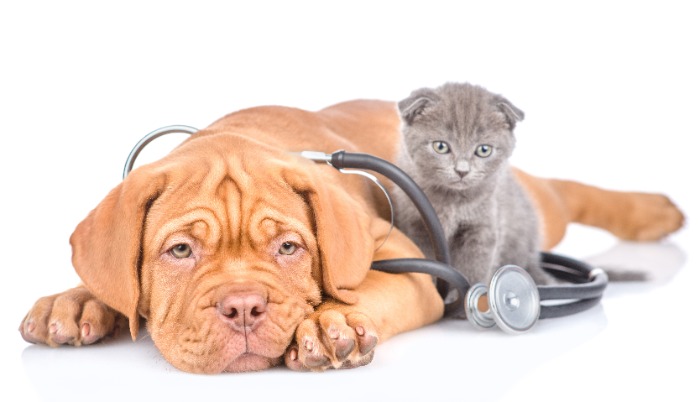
(462, 168)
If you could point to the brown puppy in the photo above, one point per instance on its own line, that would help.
(240, 254)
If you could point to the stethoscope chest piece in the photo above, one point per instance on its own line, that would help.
(513, 299)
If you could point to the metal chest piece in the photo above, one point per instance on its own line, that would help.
(514, 301)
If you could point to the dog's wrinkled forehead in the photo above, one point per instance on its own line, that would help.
(237, 184)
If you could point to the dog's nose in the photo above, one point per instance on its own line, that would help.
(243, 312)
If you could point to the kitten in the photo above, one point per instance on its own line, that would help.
(457, 139)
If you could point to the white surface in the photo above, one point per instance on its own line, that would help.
(610, 92)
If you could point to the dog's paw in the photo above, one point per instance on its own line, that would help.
(651, 217)
(74, 317)
(331, 339)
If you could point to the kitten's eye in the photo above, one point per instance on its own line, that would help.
(441, 147)
(181, 250)
(287, 248)
(483, 151)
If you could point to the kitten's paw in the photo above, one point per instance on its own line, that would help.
(332, 339)
(650, 217)
(74, 317)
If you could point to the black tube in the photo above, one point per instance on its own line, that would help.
(434, 268)
(342, 160)
(561, 310)
(577, 271)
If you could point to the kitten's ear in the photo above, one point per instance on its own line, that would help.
(413, 106)
(513, 114)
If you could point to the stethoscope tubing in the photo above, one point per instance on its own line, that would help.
(590, 282)
(563, 310)
(438, 269)
(588, 291)
(351, 160)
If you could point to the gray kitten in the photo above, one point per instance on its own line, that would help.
(457, 139)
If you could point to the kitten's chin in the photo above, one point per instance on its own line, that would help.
(459, 185)
(457, 188)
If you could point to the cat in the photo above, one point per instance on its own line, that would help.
(456, 142)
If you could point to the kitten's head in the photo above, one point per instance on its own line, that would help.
(457, 135)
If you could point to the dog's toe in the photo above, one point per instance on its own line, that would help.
(27, 330)
(367, 341)
(99, 321)
(291, 359)
(366, 333)
(64, 333)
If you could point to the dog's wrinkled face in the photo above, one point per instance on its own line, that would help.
(227, 269)
(224, 246)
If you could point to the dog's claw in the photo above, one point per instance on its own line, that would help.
(343, 348)
(331, 339)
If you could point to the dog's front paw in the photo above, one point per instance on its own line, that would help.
(331, 339)
(74, 317)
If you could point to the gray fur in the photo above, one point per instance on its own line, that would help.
(487, 217)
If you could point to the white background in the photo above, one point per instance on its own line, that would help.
(609, 89)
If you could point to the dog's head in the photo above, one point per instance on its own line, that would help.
(224, 247)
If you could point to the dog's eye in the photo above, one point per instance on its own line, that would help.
(441, 147)
(287, 248)
(181, 250)
(483, 151)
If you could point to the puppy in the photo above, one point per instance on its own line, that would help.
(241, 255)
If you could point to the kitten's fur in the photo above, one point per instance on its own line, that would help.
(487, 217)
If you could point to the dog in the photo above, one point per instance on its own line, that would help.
(241, 255)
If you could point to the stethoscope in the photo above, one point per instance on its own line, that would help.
(514, 300)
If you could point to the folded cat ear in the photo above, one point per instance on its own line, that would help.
(414, 106)
(513, 114)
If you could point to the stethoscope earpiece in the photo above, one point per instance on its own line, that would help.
(513, 300)
(148, 138)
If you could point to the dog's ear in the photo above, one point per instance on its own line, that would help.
(513, 114)
(342, 228)
(416, 104)
(107, 244)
